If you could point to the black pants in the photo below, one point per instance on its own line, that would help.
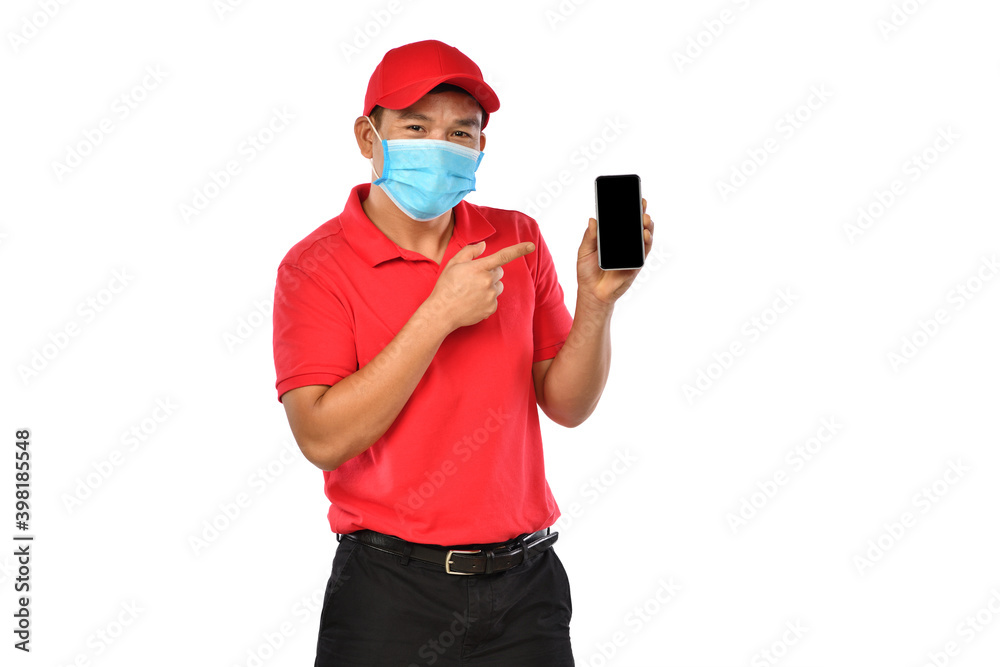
(378, 612)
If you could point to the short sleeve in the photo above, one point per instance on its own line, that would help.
(314, 339)
(552, 321)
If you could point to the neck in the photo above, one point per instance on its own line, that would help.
(429, 238)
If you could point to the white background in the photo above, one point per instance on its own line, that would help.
(601, 76)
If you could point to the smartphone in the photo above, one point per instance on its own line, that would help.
(620, 243)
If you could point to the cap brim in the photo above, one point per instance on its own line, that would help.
(404, 97)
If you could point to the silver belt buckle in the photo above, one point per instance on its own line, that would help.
(447, 560)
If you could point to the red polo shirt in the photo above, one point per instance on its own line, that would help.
(462, 463)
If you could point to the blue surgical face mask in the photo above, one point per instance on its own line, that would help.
(426, 177)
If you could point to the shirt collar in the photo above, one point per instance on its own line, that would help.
(374, 247)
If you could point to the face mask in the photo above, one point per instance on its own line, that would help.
(426, 177)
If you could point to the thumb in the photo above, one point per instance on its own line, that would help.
(589, 243)
(469, 252)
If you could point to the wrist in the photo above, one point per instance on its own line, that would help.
(430, 315)
(587, 304)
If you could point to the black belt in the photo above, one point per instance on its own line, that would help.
(459, 560)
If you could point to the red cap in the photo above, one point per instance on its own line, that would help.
(409, 72)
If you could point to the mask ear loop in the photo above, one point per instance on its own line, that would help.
(371, 160)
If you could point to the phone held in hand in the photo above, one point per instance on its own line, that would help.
(620, 243)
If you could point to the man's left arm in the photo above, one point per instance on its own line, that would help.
(569, 386)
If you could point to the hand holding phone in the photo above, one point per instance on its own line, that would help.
(620, 243)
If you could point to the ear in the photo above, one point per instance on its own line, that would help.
(482, 141)
(365, 136)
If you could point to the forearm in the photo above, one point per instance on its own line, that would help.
(354, 413)
(576, 379)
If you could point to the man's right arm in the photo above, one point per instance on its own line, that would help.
(334, 424)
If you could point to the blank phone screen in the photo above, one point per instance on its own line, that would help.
(619, 222)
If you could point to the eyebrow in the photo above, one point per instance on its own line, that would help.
(471, 121)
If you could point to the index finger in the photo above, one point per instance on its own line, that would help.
(504, 255)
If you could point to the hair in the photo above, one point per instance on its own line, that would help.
(376, 114)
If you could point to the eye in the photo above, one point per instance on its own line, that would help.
(414, 127)
(463, 134)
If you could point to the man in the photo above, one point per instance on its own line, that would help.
(414, 385)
